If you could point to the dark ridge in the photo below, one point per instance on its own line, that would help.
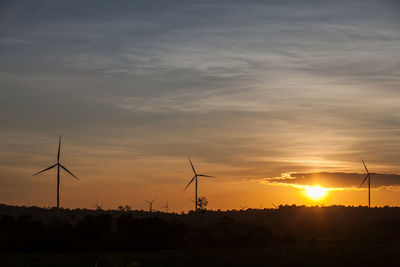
(30, 229)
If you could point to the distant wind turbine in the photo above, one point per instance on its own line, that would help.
(166, 207)
(97, 206)
(150, 204)
(369, 183)
(58, 164)
(242, 207)
(195, 187)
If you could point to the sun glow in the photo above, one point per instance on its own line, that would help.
(316, 192)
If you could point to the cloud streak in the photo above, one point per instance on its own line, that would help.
(338, 180)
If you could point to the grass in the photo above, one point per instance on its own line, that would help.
(312, 255)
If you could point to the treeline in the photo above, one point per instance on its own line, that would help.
(105, 232)
(126, 230)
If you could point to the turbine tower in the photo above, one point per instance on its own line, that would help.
(58, 164)
(369, 183)
(150, 204)
(195, 184)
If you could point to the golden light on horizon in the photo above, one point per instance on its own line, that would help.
(316, 192)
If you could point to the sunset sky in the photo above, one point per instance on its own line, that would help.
(268, 96)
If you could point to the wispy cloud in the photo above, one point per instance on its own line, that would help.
(254, 88)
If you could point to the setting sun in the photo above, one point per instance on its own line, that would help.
(316, 192)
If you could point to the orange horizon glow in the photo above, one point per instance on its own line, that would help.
(137, 182)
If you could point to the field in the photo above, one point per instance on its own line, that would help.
(304, 255)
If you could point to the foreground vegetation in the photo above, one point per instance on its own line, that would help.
(289, 235)
(304, 255)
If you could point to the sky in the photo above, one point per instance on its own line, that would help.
(267, 96)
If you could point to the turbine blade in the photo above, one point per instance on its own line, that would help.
(191, 181)
(364, 179)
(191, 164)
(45, 169)
(59, 148)
(69, 172)
(365, 165)
(203, 175)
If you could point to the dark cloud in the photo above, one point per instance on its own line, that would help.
(337, 179)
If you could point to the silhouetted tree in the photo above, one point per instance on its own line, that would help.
(202, 203)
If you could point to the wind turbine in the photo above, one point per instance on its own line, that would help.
(369, 183)
(97, 206)
(242, 207)
(195, 179)
(58, 164)
(151, 204)
(166, 207)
